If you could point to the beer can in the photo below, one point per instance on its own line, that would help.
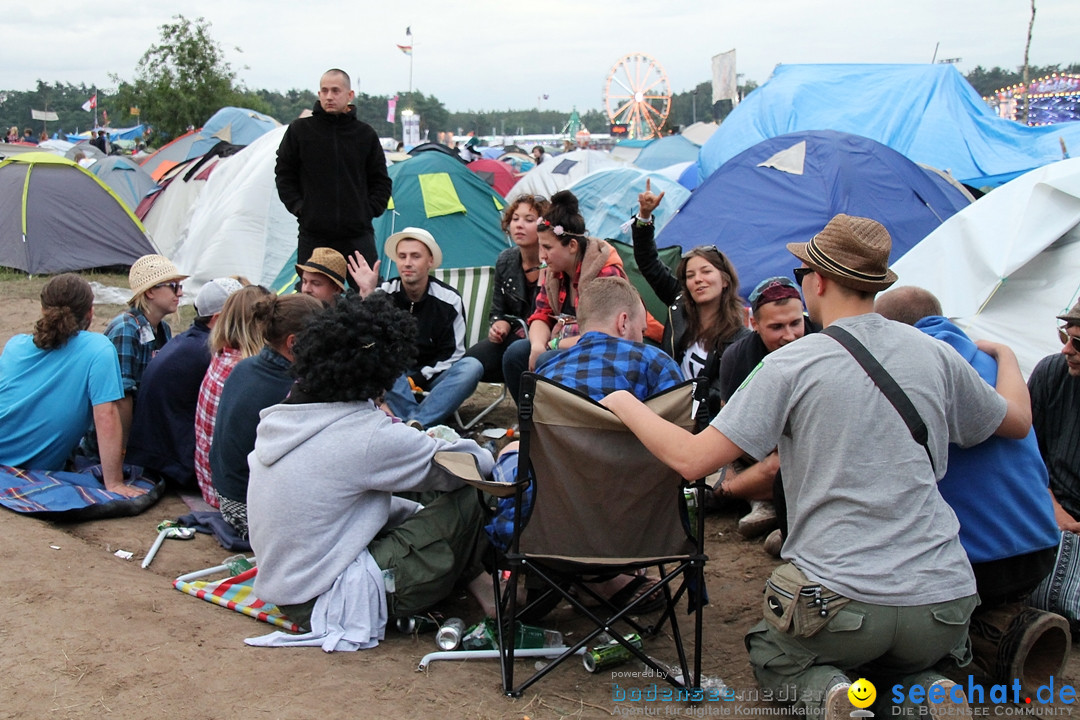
(449, 635)
(610, 654)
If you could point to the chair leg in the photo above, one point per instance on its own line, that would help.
(483, 413)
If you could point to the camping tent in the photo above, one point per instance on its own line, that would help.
(561, 172)
(667, 151)
(166, 212)
(438, 193)
(236, 126)
(57, 217)
(498, 175)
(786, 189)
(1005, 266)
(929, 113)
(239, 225)
(700, 132)
(608, 198)
(126, 178)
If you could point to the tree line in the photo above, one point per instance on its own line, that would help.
(184, 78)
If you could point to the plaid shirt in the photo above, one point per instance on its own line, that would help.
(597, 365)
(135, 341)
(206, 415)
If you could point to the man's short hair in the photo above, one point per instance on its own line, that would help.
(907, 304)
(606, 297)
(342, 73)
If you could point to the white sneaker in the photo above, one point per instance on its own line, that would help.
(837, 704)
(760, 520)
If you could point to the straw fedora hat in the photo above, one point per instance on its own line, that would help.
(151, 270)
(327, 261)
(418, 234)
(853, 251)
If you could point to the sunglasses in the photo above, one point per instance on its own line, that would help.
(1066, 338)
(174, 286)
(691, 252)
(800, 273)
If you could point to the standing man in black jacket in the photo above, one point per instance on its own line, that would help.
(331, 174)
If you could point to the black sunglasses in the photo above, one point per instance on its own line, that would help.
(1065, 338)
(174, 286)
(800, 273)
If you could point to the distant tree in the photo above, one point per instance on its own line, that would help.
(987, 82)
(182, 80)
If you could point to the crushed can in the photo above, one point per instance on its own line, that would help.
(610, 654)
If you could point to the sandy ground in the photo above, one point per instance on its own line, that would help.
(86, 634)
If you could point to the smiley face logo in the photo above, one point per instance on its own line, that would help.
(862, 693)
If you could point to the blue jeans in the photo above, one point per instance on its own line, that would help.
(447, 391)
(516, 361)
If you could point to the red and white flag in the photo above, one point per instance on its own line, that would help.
(90, 104)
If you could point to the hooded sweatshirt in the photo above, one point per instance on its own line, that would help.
(322, 482)
(996, 488)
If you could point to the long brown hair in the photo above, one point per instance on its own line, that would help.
(731, 316)
(237, 327)
(65, 308)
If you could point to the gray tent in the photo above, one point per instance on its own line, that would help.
(57, 217)
(126, 178)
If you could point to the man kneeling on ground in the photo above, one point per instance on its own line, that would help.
(338, 552)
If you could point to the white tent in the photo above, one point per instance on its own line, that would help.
(1006, 265)
(168, 217)
(561, 172)
(239, 226)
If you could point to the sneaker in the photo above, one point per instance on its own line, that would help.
(948, 707)
(773, 543)
(760, 520)
(837, 705)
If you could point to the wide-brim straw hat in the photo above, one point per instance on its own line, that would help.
(418, 234)
(327, 261)
(151, 270)
(853, 251)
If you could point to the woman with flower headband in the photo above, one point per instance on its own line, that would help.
(572, 260)
(517, 272)
(705, 313)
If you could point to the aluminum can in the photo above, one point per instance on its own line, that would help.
(449, 635)
(610, 654)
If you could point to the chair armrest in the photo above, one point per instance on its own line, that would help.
(463, 465)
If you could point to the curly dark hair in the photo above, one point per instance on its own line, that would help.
(66, 301)
(536, 202)
(563, 211)
(354, 350)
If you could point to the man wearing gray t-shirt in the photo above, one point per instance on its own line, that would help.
(866, 522)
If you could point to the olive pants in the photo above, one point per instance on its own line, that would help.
(885, 644)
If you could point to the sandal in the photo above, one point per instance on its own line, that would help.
(637, 586)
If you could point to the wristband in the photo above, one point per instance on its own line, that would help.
(641, 221)
(554, 344)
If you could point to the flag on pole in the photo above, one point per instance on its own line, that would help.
(90, 104)
(391, 109)
(407, 49)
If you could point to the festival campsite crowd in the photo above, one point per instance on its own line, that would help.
(905, 470)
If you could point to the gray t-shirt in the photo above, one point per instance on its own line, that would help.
(865, 516)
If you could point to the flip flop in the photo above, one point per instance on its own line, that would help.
(636, 588)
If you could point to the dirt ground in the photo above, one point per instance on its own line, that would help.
(87, 634)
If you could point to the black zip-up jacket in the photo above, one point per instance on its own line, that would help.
(331, 174)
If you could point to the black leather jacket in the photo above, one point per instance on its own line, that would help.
(513, 297)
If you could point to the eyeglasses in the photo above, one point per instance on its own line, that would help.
(1066, 338)
(800, 273)
(174, 286)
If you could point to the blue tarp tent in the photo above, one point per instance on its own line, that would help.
(665, 152)
(786, 189)
(928, 113)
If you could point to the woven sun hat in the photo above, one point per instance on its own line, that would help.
(327, 261)
(418, 234)
(151, 270)
(212, 296)
(1073, 316)
(853, 251)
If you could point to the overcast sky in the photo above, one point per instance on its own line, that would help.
(488, 55)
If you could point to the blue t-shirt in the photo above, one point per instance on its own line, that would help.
(47, 397)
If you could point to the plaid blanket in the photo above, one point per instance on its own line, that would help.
(60, 495)
(236, 593)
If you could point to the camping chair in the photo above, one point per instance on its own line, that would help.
(603, 505)
(476, 286)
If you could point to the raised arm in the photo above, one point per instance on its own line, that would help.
(365, 276)
(660, 278)
(692, 456)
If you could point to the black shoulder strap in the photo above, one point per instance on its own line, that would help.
(889, 387)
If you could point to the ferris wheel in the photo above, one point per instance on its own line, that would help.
(637, 93)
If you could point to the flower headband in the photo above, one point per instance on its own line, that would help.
(559, 231)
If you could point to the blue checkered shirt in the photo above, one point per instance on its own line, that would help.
(597, 365)
(125, 331)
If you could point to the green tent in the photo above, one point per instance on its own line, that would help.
(438, 193)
